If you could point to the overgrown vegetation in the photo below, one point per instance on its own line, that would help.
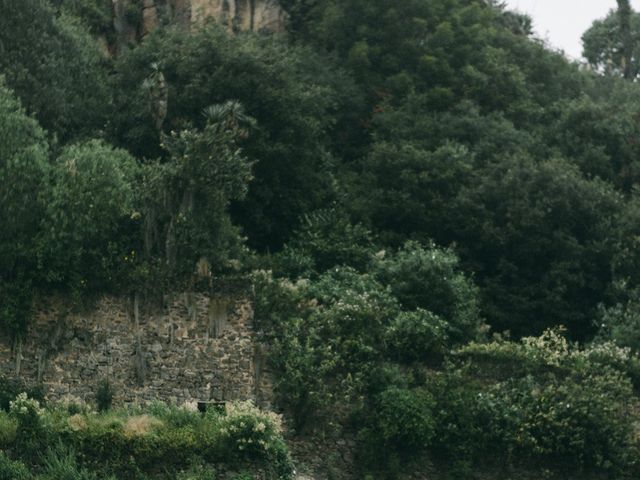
(159, 442)
(438, 214)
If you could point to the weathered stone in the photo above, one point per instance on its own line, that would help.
(185, 370)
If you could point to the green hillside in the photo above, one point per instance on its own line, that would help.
(435, 213)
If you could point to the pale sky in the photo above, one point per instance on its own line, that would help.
(562, 22)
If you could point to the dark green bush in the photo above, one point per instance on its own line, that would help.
(104, 395)
(431, 279)
(32, 436)
(61, 464)
(197, 473)
(417, 335)
(400, 426)
(326, 239)
(620, 323)
(563, 407)
(10, 470)
(581, 422)
(10, 388)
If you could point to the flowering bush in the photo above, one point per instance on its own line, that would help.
(26, 410)
(542, 399)
(248, 432)
(31, 435)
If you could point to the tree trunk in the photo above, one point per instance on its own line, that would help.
(18, 350)
(624, 19)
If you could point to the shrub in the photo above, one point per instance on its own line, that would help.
(328, 347)
(31, 438)
(403, 419)
(561, 406)
(11, 387)
(430, 278)
(61, 464)
(10, 470)
(458, 432)
(621, 324)
(8, 429)
(580, 422)
(417, 335)
(251, 434)
(104, 395)
(175, 417)
(197, 473)
(326, 239)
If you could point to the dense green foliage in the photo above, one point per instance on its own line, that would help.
(396, 179)
(157, 443)
(55, 68)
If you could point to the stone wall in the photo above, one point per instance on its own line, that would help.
(196, 347)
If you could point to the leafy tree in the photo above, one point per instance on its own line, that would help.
(400, 426)
(290, 91)
(405, 189)
(24, 180)
(611, 44)
(329, 343)
(538, 238)
(90, 217)
(598, 135)
(326, 239)
(55, 68)
(186, 204)
(97, 14)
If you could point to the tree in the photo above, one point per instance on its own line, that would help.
(24, 189)
(89, 230)
(611, 45)
(55, 68)
(186, 199)
(538, 237)
(291, 92)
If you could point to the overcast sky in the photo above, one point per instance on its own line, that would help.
(562, 22)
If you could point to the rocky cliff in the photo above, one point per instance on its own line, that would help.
(237, 15)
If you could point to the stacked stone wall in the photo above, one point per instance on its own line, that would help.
(196, 347)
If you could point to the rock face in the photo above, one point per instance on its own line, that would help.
(195, 348)
(237, 15)
(240, 15)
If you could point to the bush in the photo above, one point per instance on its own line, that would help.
(197, 473)
(139, 443)
(328, 347)
(31, 435)
(326, 239)
(61, 464)
(104, 395)
(8, 430)
(11, 387)
(581, 422)
(403, 422)
(175, 417)
(10, 470)
(417, 335)
(248, 433)
(430, 278)
(621, 324)
(560, 406)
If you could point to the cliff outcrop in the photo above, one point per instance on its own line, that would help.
(237, 15)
